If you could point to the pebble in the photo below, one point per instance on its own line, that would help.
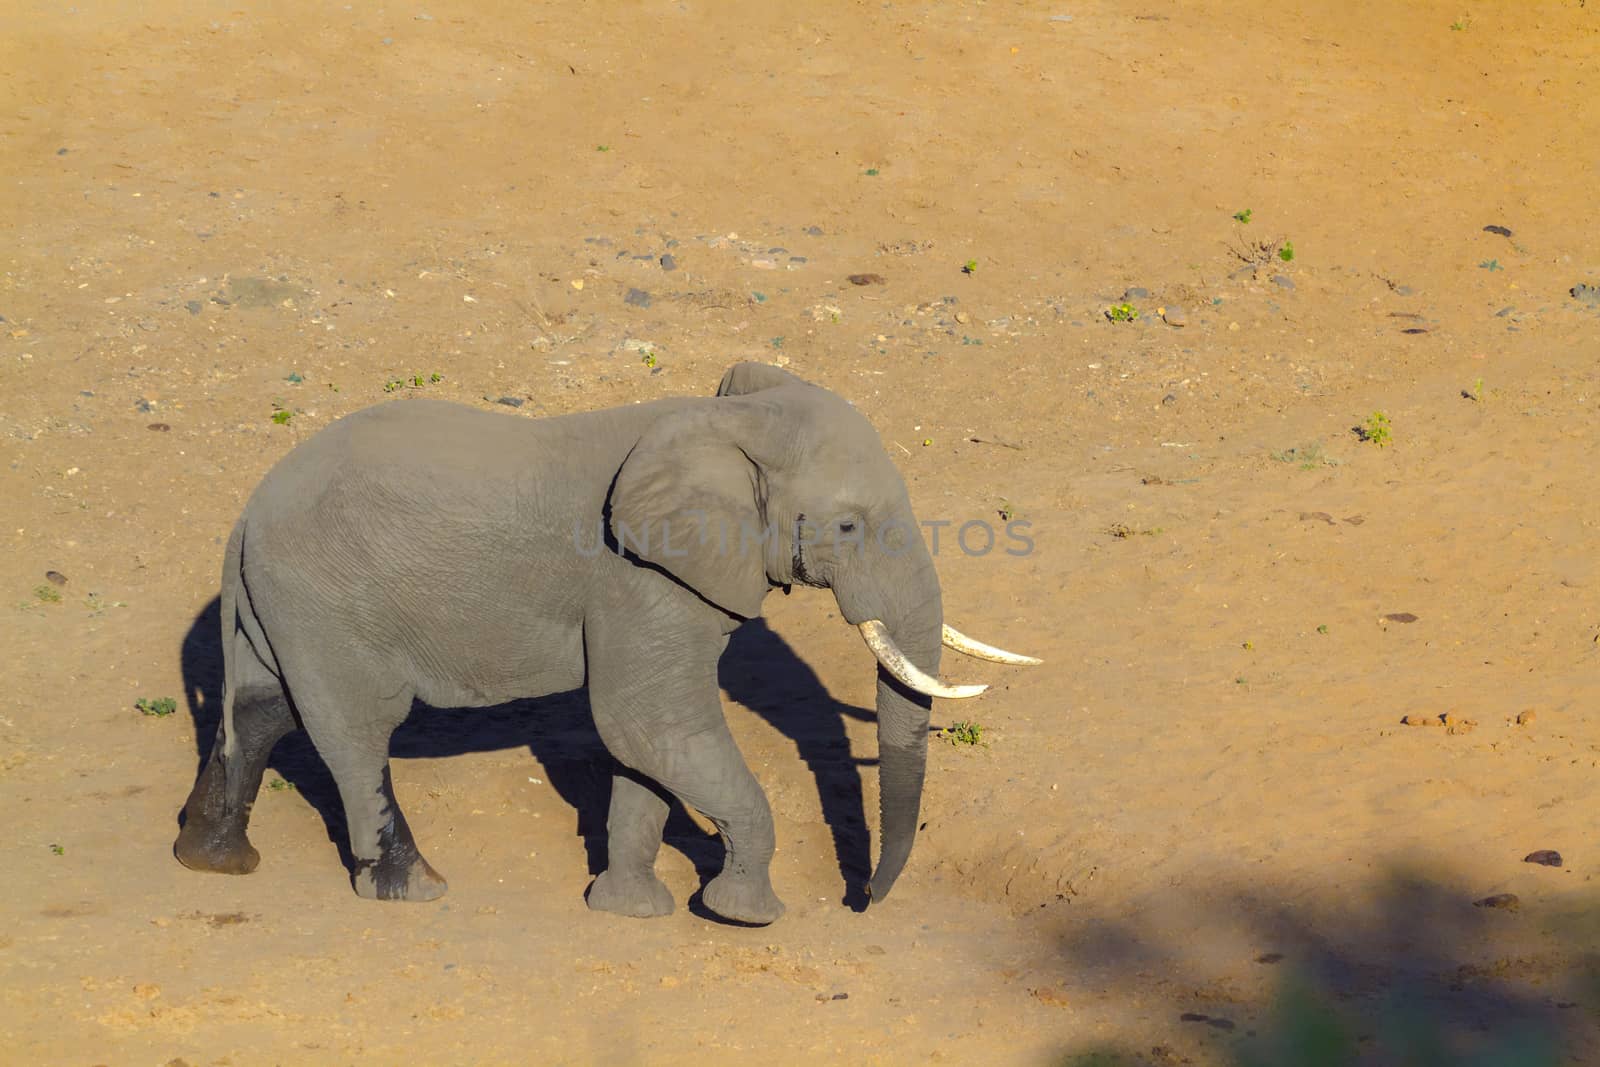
(866, 279)
(1587, 294)
(1403, 290)
(510, 401)
(963, 318)
(1506, 901)
(193, 306)
(159, 427)
(669, 262)
(1135, 293)
(1174, 317)
(1501, 230)
(144, 406)
(814, 231)
(1169, 400)
(55, 578)
(1547, 857)
(638, 298)
(1503, 312)
(1525, 718)
(1283, 281)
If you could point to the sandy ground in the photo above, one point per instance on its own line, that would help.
(1205, 797)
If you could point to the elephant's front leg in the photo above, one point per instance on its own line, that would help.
(653, 688)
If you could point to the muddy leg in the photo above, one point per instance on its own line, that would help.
(218, 811)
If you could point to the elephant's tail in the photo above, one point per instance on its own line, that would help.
(232, 581)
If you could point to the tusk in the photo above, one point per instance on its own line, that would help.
(894, 661)
(959, 641)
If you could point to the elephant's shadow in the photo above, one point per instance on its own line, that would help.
(759, 670)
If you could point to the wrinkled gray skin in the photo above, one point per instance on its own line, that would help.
(424, 549)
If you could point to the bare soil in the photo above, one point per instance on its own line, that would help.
(218, 214)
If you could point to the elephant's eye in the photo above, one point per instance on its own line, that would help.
(847, 526)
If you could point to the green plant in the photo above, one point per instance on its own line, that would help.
(282, 416)
(1490, 265)
(1007, 512)
(436, 377)
(392, 384)
(969, 267)
(648, 359)
(294, 378)
(159, 707)
(278, 785)
(872, 172)
(1286, 253)
(1322, 629)
(47, 595)
(1376, 429)
(1242, 216)
(1459, 24)
(602, 148)
(963, 733)
(58, 850)
(1122, 312)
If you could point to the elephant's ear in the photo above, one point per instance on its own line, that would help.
(690, 500)
(743, 378)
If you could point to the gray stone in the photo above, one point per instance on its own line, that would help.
(638, 298)
(1283, 281)
(669, 262)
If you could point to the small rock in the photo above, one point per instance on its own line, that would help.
(55, 578)
(1501, 230)
(763, 264)
(963, 318)
(1270, 957)
(1504, 901)
(194, 306)
(159, 427)
(1587, 294)
(841, 996)
(1400, 616)
(813, 231)
(144, 406)
(1174, 317)
(1525, 718)
(1135, 293)
(1283, 281)
(1169, 400)
(669, 262)
(866, 279)
(61, 151)
(147, 991)
(1403, 290)
(637, 298)
(1503, 312)
(1545, 857)
(510, 401)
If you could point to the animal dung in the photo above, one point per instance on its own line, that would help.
(1545, 857)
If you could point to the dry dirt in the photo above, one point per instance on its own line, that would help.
(215, 214)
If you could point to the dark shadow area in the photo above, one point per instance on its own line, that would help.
(759, 670)
(762, 672)
(1416, 973)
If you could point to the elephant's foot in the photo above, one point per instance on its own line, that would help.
(389, 878)
(746, 899)
(204, 845)
(640, 896)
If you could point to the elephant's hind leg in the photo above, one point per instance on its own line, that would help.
(350, 728)
(217, 813)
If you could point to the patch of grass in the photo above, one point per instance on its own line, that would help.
(1308, 457)
(963, 733)
(1122, 313)
(160, 707)
(279, 785)
(1376, 429)
(1459, 24)
(969, 267)
(1322, 629)
(46, 595)
(1286, 253)
(1490, 265)
(777, 342)
(1242, 216)
(1476, 392)
(602, 148)
(871, 172)
(294, 378)
(282, 416)
(57, 850)
(1007, 512)
(392, 384)
(648, 359)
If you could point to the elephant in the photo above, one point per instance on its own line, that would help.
(426, 550)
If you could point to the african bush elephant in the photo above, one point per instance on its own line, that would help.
(425, 549)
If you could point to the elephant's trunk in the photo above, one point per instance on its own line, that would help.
(903, 716)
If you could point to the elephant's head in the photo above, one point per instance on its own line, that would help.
(778, 482)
